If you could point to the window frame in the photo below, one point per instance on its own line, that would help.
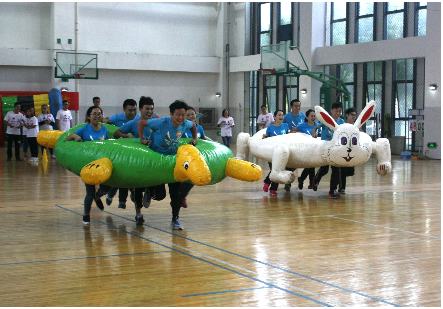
(418, 8)
(280, 26)
(260, 32)
(385, 19)
(333, 21)
(366, 84)
(360, 17)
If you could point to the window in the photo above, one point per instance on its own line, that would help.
(347, 76)
(254, 103)
(265, 24)
(338, 23)
(270, 92)
(394, 20)
(374, 91)
(365, 22)
(403, 98)
(290, 92)
(284, 31)
(420, 18)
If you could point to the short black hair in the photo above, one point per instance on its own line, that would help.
(295, 100)
(263, 106)
(93, 99)
(278, 110)
(336, 105)
(131, 102)
(65, 101)
(190, 107)
(307, 114)
(177, 105)
(88, 112)
(145, 101)
(17, 103)
(350, 110)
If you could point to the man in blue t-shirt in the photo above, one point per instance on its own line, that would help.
(166, 134)
(129, 113)
(326, 135)
(293, 119)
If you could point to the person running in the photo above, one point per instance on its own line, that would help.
(226, 123)
(351, 116)
(167, 132)
(278, 128)
(308, 128)
(93, 131)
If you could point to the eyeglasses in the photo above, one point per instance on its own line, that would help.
(96, 114)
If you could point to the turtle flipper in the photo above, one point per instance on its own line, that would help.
(97, 171)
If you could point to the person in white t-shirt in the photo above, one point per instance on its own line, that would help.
(14, 122)
(31, 124)
(226, 123)
(46, 121)
(264, 119)
(64, 118)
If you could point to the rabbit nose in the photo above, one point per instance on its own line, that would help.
(349, 149)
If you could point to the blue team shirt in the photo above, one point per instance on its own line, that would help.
(200, 132)
(326, 133)
(294, 121)
(273, 130)
(131, 127)
(120, 119)
(166, 136)
(88, 133)
(305, 128)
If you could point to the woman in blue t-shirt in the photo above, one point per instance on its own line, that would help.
(308, 128)
(278, 128)
(93, 131)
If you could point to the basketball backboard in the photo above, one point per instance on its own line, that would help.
(70, 65)
(275, 57)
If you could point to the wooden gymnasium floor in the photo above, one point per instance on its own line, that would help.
(378, 245)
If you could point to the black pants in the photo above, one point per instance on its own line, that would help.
(308, 172)
(32, 141)
(122, 193)
(176, 203)
(16, 139)
(345, 172)
(274, 185)
(335, 177)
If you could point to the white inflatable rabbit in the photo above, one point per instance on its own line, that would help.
(348, 147)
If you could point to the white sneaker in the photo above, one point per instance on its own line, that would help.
(31, 160)
(176, 225)
(53, 156)
(35, 159)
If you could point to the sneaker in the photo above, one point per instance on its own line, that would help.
(288, 187)
(314, 185)
(30, 160)
(139, 219)
(266, 187)
(99, 202)
(300, 183)
(122, 205)
(334, 195)
(108, 200)
(184, 202)
(86, 219)
(273, 192)
(146, 199)
(176, 225)
(342, 191)
(53, 156)
(310, 187)
(35, 159)
(26, 157)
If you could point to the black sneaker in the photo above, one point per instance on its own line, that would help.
(146, 199)
(99, 203)
(288, 187)
(342, 191)
(139, 219)
(108, 200)
(300, 183)
(86, 219)
(122, 205)
(334, 195)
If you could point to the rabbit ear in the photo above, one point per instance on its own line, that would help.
(325, 118)
(365, 114)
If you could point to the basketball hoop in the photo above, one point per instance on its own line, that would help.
(78, 75)
(266, 71)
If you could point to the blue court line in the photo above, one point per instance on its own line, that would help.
(230, 291)
(201, 259)
(82, 258)
(263, 263)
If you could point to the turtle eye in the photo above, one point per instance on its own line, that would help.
(186, 165)
(344, 140)
(354, 141)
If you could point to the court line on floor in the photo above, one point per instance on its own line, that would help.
(81, 258)
(228, 291)
(381, 226)
(201, 259)
(257, 261)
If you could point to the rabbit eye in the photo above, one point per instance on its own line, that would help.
(354, 141)
(344, 140)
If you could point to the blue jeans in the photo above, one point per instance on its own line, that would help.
(226, 140)
(90, 194)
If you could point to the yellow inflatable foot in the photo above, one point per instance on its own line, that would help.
(243, 170)
(97, 171)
